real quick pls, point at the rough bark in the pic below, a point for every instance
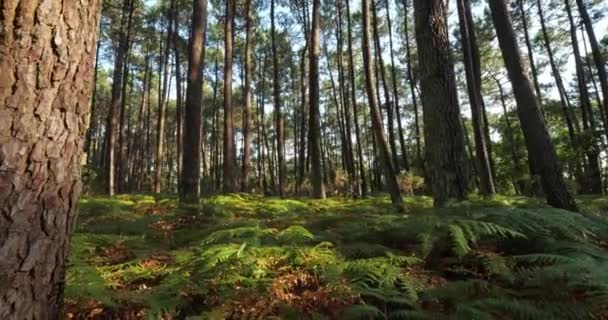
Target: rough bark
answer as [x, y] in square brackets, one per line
[190, 179]
[385, 155]
[538, 142]
[46, 56]
[443, 131]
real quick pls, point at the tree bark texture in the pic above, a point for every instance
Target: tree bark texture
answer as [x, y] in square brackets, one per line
[47, 52]
[443, 131]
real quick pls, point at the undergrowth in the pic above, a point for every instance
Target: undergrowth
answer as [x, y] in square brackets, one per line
[250, 257]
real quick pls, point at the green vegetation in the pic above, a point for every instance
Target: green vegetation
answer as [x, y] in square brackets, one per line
[244, 256]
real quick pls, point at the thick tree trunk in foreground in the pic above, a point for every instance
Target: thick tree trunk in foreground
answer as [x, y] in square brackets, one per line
[42, 128]
[189, 190]
[314, 132]
[471, 61]
[370, 84]
[443, 131]
[540, 148]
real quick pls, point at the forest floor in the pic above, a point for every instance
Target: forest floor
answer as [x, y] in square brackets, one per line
[252, 257]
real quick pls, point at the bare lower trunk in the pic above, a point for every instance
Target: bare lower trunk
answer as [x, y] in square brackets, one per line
[443, 131]
[42, 130]
[190, 179]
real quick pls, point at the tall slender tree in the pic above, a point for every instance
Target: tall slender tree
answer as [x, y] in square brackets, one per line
[470, 49]
[229, 182]
[247, 96]
[541, 151]
[190, 185]
[593, 177]
[117, 92]
[314, 132]
[278, 113]
[370, 85]
[412, 85]
[596, 52]
[353, 97]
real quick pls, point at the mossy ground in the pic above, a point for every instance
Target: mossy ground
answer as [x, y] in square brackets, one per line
[253, 257]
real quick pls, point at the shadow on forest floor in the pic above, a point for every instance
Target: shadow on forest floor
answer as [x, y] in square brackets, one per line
[244, 256]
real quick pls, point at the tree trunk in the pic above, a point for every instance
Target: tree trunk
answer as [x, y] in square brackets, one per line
[346, 102]
[42, 131]
[353, 96]
[598, 58]
[524, 20]
[247, 108]
[93, 118]
[314, 132]
[593, 177]
[469, 43]
[179, 99]
[370, 84]
[412, 84]
[443, 131]
[277, 102]
[113, 115]
[162, 106]
[563, 95]
[303, 119]
[400, 132]
[538, 142]
[387, 100]
[190, 190]
[229, 151]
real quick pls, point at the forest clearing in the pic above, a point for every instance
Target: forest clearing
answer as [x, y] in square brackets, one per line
[303, 159]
